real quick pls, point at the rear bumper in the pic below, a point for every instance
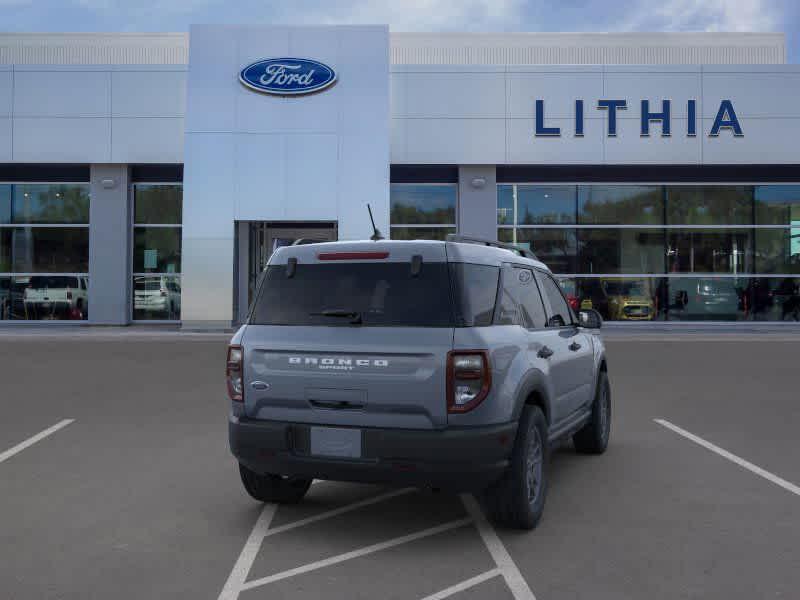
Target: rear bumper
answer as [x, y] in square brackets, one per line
[455, 459]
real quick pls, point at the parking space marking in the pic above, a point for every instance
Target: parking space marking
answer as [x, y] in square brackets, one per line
[788, 486]
[339, 511]
[248, 554]
[464, 585]
[261, 530]
[356, 553]
[33, 439]
[508, 568]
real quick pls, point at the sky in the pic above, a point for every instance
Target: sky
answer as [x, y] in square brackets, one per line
[414, 15]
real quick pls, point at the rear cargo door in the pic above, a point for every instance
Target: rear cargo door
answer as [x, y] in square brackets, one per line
[351, 334]
[367, 377]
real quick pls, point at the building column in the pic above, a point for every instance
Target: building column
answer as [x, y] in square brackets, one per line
[242, 270]
[109, 245]
[477, 201]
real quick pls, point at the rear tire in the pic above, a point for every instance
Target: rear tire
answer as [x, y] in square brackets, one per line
[517, 500]
[273, 488]
[593, 437]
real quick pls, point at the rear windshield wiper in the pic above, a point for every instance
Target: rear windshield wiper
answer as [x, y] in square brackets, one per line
[354, 316]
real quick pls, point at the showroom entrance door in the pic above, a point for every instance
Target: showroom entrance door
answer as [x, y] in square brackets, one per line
[258, 240]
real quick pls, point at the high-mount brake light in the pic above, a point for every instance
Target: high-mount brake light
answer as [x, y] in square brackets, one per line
[233, 373]
[352, 255]
[469, 379]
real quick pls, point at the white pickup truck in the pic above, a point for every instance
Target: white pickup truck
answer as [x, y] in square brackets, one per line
[56, 296]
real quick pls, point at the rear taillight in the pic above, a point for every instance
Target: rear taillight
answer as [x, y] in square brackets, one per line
[469, 379]
[233, 373]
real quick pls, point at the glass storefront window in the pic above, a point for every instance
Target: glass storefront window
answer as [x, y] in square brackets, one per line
[778, 250]
[687, 298]
[536, 204]
[620, 251]
[726, 252]
[157, 250]
[557, 248]
[709, 205]
[5, 203]
[708, 299]
[157, 213]
[505, 205]
[429, 204]
[620, 204]
[775, 299]
[44, 297]
[620, 298]
[156, 297]
[158, 204]
[44, 204]
[710, 251]
[778, 205]
[421, 233]
[44, 251]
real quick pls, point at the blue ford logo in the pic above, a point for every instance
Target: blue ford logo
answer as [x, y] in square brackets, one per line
[287, 76]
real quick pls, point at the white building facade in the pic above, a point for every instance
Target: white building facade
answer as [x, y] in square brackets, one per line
[143, 179]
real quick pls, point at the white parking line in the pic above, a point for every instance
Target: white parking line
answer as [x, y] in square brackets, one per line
[790, 487]
[261, 530]
[248, 554]
[356, 553]
[339, 511]
[464, 585]
[508, 568]
[33, 439]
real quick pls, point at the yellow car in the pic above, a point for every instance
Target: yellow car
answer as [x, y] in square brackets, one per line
[629, 299]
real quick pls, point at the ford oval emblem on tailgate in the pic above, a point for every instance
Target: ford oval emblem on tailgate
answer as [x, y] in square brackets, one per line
[287, 76]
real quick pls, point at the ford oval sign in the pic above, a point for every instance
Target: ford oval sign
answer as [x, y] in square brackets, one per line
[287, 76]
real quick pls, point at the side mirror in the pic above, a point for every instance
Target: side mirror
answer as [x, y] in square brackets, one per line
[590, 319]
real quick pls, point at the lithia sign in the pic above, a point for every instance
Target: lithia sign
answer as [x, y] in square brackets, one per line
[725, 120]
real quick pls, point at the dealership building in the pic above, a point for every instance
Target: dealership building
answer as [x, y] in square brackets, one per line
[148, 177]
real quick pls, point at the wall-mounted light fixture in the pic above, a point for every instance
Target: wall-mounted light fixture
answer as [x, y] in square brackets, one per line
[478, 182]
[109, 183]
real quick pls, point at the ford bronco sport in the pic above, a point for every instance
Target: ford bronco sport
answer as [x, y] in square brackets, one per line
[451, 364]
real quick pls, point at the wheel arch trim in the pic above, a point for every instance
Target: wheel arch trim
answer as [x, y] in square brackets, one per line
[534, 384]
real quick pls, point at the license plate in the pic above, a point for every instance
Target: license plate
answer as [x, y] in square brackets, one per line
[336, 442]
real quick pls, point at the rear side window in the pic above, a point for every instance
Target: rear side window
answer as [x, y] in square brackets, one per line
[520, 301]
[475, 290]
[561, 313]
[381, 294]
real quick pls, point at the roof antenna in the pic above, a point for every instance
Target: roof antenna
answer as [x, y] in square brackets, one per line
[376, 234]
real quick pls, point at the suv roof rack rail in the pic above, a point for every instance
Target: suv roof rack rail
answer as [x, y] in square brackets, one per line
[464, 239]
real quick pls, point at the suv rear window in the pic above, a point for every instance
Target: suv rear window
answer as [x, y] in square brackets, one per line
[382, 294]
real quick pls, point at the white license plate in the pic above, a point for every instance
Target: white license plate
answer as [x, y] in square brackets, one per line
[336, 442]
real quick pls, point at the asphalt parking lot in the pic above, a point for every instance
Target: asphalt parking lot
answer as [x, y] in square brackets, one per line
[116, 482]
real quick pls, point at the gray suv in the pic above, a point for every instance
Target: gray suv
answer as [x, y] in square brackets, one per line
[451, 364]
